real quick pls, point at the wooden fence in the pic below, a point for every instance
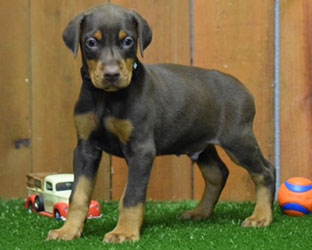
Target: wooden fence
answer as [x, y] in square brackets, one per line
[40, 82]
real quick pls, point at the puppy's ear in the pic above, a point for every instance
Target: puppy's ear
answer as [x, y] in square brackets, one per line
[71, 34]
[144, 32]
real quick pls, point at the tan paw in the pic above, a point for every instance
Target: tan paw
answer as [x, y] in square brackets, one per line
[120, 237]
[254, 221]
[195, 215]
[63, 234]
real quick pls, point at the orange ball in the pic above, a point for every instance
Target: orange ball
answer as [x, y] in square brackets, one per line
[295, 196]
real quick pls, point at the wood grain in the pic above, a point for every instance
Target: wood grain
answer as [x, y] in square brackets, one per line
[14, 98]
[237, 37]
[296, 93]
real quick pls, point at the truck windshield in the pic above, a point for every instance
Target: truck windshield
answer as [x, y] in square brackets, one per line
[64, 186]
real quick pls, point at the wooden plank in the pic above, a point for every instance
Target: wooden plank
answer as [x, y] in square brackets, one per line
[14, 98]
[119, 177]
[296, 93]
[237, 37]
[171, 179]
[55, 88]
[170, 22]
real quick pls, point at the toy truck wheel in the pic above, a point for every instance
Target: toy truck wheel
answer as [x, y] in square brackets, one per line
[30, 207]
[57, 215]
[39, 205]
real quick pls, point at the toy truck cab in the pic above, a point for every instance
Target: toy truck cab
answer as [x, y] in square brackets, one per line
[48, 194]
[56, 189]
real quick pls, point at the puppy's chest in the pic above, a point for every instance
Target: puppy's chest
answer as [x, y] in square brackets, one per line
[108, 118]
[121, 128]
[113, 119]
[116, 123]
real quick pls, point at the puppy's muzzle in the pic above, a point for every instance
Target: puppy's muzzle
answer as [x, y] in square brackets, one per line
[112, 74]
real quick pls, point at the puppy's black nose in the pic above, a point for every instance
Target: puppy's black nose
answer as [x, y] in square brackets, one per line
[112, 73]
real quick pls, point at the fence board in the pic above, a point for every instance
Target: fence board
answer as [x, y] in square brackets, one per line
[170, 22]
[296, 78]
[14, 97]
[56, 85]
[237, 37]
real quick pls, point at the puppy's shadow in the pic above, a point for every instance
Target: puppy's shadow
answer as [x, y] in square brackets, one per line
[233, 212]
[169, 214]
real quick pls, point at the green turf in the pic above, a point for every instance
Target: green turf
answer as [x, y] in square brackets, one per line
[163, 229]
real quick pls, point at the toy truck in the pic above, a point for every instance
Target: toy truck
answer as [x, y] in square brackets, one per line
[48, 195]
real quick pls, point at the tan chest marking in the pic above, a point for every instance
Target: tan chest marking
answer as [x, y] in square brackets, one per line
[121, 128]
[86, 124]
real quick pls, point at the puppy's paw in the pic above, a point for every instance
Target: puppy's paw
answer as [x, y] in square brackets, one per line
[257, 221]
[195, 215]
[63, 234]
[120, 237]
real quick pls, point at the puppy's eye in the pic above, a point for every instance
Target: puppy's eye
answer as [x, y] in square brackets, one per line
[91, 43]
[128, 42]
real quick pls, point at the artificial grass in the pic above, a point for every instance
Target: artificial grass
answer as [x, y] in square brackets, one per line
[163, 229]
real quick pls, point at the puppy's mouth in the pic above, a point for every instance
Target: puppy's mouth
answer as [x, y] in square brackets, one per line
[111, 77]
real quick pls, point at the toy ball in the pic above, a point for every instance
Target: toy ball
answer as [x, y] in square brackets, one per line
[295, 196]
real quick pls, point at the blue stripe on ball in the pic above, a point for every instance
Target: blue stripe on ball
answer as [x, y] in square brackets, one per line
[297, 188]
[295, 207]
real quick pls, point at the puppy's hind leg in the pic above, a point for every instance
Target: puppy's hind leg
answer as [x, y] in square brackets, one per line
[245, 151]
[215, 174]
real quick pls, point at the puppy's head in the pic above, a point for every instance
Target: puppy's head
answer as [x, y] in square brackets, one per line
[109, 37]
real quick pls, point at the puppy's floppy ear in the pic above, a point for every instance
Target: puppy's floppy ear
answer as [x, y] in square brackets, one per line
[71, 34]
[144, 32]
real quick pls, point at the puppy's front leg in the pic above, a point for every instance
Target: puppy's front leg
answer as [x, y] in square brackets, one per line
[86, 165]
[87, 157]
[131, 207]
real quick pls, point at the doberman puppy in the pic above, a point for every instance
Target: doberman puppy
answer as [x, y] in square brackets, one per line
[138, 111]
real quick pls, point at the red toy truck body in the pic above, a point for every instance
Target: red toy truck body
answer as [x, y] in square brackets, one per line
[48, 194]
